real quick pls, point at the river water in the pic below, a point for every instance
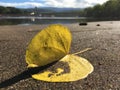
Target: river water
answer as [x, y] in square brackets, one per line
[40, 20]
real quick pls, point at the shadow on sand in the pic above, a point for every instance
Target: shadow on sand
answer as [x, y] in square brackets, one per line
[24, 75]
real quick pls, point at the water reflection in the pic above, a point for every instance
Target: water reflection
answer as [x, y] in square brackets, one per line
[32, 20]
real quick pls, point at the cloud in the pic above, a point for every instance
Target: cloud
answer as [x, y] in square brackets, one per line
[73, 3]
[96, 1]
[64, 3]
[24, 4]
[55, 3]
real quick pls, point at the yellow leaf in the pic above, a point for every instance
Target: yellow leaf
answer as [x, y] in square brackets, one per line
[51, 44]
[73, 68]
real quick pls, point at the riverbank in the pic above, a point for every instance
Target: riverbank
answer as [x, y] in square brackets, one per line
[104, 39]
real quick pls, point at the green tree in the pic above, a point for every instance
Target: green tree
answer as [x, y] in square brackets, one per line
[110, 9]
[88, 12]
[97, 11]
[13, 10]
[3, 10]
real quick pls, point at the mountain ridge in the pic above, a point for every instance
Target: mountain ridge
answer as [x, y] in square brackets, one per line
[53, 9]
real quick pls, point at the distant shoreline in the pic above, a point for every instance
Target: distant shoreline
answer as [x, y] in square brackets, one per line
[24, 20]
[37, 17]
[29, 20]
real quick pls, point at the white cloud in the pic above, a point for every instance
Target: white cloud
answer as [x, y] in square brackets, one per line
[24, 4]
[56, 3]
[60, 3]
[96, 1]
[73, 3]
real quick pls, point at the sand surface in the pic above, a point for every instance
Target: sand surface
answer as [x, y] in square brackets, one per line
[105, 57]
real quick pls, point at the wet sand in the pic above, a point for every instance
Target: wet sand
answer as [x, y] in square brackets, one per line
[104, 56]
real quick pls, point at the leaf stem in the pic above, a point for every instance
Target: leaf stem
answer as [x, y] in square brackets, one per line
[82, 51]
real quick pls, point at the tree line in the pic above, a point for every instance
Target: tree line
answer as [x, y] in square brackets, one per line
[11, 10]
[110, 9]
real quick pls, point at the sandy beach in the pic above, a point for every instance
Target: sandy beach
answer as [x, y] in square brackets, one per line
[104, 56]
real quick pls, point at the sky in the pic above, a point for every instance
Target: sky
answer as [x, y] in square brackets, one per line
[51, 3]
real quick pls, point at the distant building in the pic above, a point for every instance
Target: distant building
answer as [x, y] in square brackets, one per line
[32, 13]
